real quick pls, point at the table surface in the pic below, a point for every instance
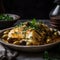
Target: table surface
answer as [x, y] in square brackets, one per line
[53, 53]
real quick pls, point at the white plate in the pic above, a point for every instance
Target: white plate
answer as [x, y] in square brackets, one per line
[29, 48]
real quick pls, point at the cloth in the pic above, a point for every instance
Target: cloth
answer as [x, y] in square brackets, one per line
[6, 53]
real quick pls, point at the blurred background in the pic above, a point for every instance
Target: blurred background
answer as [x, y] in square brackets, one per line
[27, 9]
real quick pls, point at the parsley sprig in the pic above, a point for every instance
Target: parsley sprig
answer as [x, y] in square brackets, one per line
[33, 24]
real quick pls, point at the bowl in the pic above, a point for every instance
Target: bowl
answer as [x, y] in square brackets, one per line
[9, 22]
[34, 48]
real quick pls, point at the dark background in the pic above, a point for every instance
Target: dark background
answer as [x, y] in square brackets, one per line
[28, 9]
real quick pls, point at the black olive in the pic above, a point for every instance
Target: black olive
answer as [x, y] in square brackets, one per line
[22, 42]
[11, 40]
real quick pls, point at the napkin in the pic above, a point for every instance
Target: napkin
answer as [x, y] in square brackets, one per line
[6, 53]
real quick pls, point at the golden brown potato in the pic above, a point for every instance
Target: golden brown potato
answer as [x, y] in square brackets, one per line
[32, 42]
[16, 42]
[6, 32]
[5, 36]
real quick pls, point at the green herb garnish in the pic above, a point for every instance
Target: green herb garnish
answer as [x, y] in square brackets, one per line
[33, 21]
[5, 17]
[46, 56]
[31, 24]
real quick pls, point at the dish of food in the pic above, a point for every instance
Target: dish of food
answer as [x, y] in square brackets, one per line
[8, 20]
[30, 34]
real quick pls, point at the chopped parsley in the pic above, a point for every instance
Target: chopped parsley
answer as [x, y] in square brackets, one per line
[32, 24]
[5, 17]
